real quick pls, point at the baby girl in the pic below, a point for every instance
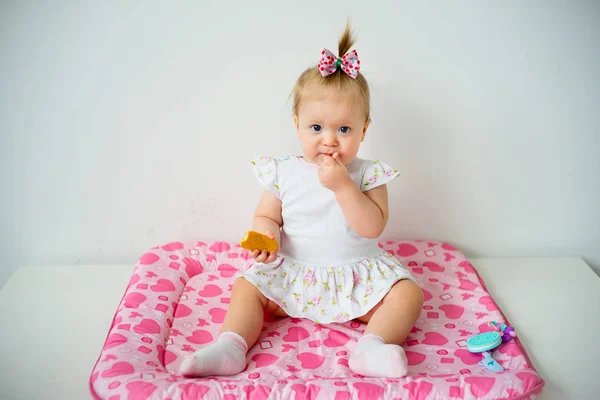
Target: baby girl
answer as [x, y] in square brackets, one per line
[326, 208]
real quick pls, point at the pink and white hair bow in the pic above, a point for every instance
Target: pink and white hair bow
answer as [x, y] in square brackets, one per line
[349, 63]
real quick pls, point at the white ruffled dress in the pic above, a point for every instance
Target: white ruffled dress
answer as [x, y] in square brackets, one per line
[325, 271]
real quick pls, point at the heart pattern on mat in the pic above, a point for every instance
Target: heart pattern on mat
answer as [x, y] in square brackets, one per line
[176, 302]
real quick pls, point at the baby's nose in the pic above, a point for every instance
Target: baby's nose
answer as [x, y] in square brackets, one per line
[329, 139]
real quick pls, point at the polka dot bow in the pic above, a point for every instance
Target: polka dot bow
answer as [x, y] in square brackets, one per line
[349, 63]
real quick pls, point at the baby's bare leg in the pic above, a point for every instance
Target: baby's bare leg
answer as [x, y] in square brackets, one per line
[240, 330]
[378, 352]
[395, 316]
[246, 311]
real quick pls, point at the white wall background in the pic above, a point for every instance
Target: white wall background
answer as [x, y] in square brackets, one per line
[128, 124]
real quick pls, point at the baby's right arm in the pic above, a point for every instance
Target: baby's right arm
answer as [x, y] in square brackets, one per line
[268, 220]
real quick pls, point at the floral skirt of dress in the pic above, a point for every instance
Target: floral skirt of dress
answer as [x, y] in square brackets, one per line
[327, 294]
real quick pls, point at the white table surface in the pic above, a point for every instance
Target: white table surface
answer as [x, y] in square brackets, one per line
[55, 320]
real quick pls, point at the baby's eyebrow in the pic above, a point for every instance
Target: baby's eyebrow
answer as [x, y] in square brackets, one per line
[339, 124]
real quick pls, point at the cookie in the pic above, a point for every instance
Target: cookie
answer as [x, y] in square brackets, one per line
[258, 241]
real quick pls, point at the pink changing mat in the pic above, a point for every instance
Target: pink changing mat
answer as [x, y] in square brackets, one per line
[179, 293]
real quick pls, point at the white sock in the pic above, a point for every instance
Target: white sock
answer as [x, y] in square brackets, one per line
[374, 357]
[226, 356]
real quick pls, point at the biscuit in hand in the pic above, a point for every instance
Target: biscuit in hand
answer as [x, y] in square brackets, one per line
[258, 241]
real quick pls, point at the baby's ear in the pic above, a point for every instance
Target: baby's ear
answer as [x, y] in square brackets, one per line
[364, 132]
[296, 123]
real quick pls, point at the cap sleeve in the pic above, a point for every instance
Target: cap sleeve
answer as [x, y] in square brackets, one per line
[377, 174]
[265, 169]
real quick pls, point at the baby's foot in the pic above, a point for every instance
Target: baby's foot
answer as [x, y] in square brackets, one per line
[374, 357]
[226, 356]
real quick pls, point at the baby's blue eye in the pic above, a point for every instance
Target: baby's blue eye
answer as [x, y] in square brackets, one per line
[344, 129]
[316, 128]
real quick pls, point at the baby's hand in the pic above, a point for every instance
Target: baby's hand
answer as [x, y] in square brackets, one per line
[333, 174]
[265, 256]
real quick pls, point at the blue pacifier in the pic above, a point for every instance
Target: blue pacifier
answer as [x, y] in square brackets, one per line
[484, 342]
[487, 341]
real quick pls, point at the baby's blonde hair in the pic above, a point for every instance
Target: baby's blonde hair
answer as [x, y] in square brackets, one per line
[339, 79]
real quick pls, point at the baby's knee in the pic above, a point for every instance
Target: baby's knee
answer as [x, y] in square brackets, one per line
[406, 291]
[243, 288]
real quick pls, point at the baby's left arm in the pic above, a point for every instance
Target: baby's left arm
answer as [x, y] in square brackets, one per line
[366, 212]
